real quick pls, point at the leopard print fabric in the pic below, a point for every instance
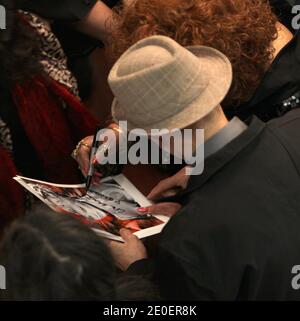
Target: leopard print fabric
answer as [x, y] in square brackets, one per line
[5, 137]
[53, 58]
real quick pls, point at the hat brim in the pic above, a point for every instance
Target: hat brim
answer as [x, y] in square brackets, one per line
[219, 74]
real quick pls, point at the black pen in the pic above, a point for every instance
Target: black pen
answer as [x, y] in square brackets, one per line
[91, 165]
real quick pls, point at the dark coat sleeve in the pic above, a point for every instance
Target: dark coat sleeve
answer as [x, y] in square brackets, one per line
[202, 261]
[144, 268]
[174, 277]
[170, 275]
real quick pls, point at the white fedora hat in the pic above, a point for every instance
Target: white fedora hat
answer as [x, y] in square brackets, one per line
[159, 84]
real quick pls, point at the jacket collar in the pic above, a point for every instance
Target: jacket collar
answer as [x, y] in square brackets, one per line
[215, 162]
[232, 130]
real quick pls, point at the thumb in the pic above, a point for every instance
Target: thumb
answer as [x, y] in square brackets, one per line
[127, 235]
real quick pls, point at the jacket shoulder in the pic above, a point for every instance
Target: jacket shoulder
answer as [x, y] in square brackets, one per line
[286, 129]
[291, 119]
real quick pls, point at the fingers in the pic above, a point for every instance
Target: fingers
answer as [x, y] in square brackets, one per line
[170, 186]
[127, 235]
[127, 253]
[109, 142]
[114, 245]
[96, 179]
[156, 191]
[82, 154]
[84, 147]
[163, 189]
[166, 209]
[83, 160]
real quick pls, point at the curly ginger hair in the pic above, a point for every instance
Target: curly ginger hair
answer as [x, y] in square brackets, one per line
[242, 29]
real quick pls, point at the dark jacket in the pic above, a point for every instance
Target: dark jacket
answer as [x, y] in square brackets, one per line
[238, 237]
[279, 90]
[283, 10]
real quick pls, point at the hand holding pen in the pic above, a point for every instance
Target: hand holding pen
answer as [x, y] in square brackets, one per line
[94, 164]
[91, 163]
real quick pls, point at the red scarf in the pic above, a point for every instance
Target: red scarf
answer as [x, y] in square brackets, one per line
[52, 130]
